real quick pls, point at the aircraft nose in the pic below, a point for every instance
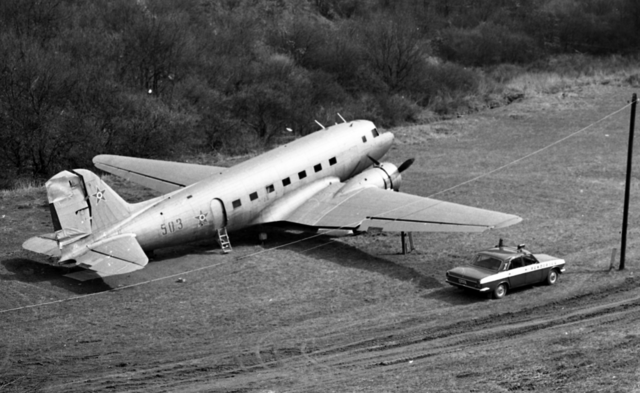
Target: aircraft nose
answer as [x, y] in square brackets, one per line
[387, 139]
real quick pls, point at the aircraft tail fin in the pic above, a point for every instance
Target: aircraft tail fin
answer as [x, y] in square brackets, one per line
[81, 203]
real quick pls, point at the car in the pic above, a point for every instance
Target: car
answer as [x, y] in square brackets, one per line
[497, 270]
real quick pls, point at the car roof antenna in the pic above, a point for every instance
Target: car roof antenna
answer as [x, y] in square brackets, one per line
[500, 245]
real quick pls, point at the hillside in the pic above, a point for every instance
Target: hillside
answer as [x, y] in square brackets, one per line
[176, 79]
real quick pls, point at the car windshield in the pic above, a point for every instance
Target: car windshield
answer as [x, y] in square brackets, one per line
[487, 262]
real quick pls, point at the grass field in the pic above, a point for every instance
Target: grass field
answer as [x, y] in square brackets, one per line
[352, 314]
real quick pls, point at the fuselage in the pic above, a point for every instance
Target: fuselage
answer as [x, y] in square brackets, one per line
[253, 191]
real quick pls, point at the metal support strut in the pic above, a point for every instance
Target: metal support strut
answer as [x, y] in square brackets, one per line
[404, 243]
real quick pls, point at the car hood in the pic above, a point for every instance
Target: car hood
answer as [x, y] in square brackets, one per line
[471, 272]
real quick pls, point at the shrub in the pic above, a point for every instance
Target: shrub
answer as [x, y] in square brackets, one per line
[486, 44]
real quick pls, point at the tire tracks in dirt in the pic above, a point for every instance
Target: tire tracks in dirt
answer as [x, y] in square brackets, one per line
[414, 342]
[288, 359]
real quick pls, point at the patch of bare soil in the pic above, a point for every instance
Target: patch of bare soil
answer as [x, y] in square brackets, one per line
[322, 314]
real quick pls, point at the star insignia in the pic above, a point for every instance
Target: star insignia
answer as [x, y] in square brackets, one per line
[100, 196]
[202, 218]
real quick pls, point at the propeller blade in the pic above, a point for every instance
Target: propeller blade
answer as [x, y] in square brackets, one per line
[375, 162]
[405, 165]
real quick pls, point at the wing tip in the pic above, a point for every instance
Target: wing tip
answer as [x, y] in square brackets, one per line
[512, 220]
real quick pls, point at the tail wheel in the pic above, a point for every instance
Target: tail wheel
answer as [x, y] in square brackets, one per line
[552, 277]
[500, 291]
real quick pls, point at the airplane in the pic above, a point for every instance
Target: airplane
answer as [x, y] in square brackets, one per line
[331, 179]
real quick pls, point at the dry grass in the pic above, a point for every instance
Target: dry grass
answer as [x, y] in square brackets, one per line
[21, 188]
[352, 314]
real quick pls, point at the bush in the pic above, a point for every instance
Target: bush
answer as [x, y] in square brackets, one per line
[487, 44]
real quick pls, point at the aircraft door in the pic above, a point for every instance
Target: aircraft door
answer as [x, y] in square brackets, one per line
[218, 214]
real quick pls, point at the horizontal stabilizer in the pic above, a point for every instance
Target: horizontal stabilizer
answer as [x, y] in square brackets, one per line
[162, 176]
[43, 244]
[116, 255]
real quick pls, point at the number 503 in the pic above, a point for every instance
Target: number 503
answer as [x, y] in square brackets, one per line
[171, 226]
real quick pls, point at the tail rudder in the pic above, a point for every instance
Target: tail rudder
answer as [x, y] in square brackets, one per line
[81, 203]
[107, 207]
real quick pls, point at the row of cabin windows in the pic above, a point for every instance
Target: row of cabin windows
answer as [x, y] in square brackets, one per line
[285, 182]
[301, 175]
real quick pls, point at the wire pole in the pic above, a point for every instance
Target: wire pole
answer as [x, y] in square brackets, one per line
[625, 214]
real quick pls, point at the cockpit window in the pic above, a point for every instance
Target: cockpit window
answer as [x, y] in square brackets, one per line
[375, 133]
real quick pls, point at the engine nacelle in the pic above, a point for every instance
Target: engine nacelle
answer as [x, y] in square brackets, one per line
[385, 176]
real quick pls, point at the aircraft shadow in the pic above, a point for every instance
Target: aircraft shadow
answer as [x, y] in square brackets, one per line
[350, 256]
[34, 273]
[326, 248]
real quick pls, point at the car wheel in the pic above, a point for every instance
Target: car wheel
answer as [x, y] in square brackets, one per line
[552, 277]
[500, 291]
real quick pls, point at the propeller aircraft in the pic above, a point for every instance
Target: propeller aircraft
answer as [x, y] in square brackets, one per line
[329, 180]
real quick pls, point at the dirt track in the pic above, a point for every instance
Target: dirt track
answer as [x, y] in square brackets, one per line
[111, 342]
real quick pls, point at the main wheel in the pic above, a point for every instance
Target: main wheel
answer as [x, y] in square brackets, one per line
[500, 291]
[552, 277]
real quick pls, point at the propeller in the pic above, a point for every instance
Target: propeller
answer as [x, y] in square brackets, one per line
[403, 167]
[375, 162]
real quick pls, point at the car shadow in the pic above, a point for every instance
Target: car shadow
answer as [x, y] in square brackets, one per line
[458, 296]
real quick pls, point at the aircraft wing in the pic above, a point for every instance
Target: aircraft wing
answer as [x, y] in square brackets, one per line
[375, 209]
[162, 176]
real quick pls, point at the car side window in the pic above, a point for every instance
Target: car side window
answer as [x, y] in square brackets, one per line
[516, 263]
[528, 261]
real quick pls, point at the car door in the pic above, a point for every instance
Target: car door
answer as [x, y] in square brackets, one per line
[533, 272]
[517, 276]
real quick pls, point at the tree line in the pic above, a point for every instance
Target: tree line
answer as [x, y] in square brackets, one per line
[165, 78]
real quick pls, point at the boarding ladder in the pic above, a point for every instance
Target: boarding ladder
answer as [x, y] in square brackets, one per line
[223, 239]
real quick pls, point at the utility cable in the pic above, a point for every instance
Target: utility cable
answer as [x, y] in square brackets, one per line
[319, 234]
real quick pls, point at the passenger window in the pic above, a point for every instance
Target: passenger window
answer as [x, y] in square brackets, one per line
[302, 175]
[516, 263]
[528, 261]
[333, 161]
[236, 204]
[317, 168]
[286, 182]
[364, 139]
[270, 188]
[375, 133]
[253, 196]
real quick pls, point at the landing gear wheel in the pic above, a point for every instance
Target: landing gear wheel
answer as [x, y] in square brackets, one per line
[552, 277]
[499, 292]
